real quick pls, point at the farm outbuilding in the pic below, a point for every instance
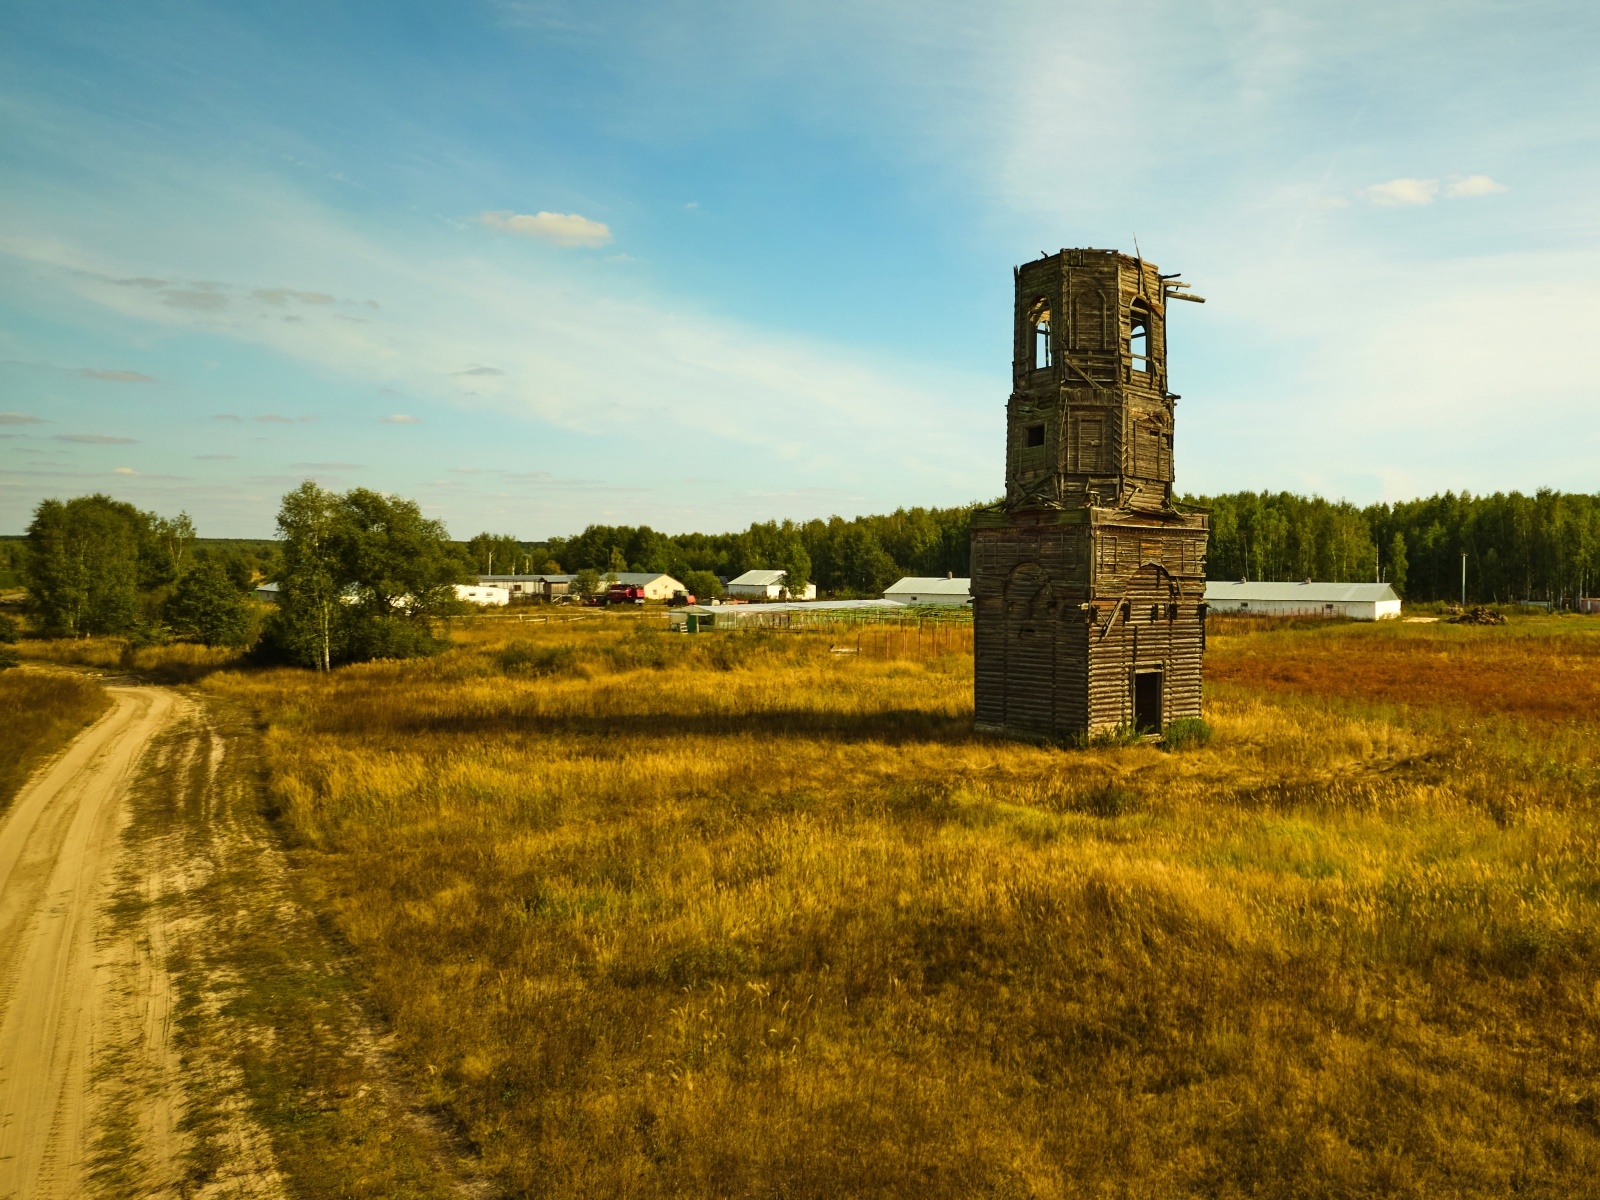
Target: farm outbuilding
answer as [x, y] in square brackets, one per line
[1359, 601]
[656, 585]
[533, 587]
[915, 589]
[483, 595]
[767, 585]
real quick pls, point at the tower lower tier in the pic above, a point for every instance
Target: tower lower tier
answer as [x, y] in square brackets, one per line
[1087, 620]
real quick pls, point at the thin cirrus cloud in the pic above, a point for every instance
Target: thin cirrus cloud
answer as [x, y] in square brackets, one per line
[278, 297]
[115, 376]
[11, 418]
[401, 419]
[481, 371]
[94, 439]
[564, 229]
[1401, 193]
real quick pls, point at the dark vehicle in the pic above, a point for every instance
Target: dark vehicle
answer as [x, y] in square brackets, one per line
[679, 599]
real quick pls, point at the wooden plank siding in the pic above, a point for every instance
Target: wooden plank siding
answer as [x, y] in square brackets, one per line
[1086, 574]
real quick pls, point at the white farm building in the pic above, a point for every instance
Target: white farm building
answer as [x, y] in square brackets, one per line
[656, 585]
[1360, 601]
[767, 585]
[915, 589]
[483, 595]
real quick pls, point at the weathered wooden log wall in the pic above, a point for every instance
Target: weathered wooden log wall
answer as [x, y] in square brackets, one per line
[1086, 576]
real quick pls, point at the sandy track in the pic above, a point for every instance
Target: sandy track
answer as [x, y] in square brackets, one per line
[59, 846]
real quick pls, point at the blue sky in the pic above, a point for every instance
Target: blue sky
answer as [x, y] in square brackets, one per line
[696, 264]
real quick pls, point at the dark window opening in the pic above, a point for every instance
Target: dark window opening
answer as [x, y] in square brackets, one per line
[1147, 701]
[1035, 435]
[1139, 341]
[1172, 612]
[1155, 613]
[1041, 339]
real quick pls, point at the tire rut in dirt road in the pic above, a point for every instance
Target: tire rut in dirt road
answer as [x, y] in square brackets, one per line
[58, 845]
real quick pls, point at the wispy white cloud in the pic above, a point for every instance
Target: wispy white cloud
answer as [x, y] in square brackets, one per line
[115, 376]
[94, 439]
[401, 419]
[564, 229]
[1399, 193]
[279, 296]
[716, 384]
[124, 471]
[16, 418]
[1475, 185]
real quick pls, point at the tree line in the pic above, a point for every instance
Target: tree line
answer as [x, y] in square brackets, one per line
[856, 557]
[1517, 547]
[364, 575]
[358, 576]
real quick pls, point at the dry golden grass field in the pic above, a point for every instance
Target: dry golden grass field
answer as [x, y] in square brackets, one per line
[40, 712]
[735, 915]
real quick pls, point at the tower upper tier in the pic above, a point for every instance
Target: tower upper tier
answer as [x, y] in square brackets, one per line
[1090, 420]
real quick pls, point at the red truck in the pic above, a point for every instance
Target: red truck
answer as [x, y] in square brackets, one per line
[624, 593]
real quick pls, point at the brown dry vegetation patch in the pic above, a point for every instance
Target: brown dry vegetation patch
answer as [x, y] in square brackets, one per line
[733, 915]
[1545, 670]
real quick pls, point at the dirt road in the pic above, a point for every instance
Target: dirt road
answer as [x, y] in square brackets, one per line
[173, 1021]
[59, 845]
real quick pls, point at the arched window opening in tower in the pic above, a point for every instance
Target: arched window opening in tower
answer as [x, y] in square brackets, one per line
[1139, 340]
[1041, 339]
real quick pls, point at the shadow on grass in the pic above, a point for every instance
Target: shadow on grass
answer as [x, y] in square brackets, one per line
[889, 725]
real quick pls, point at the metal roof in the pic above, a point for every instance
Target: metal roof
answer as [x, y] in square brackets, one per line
[1301, 593]
[758, 579]
[498, 579]
[936, 585]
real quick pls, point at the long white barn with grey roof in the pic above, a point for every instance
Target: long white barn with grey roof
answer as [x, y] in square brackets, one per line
[767, 585]
[914, 589]
[1360, 601]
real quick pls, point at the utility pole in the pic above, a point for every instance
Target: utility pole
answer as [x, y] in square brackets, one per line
[1463, 579]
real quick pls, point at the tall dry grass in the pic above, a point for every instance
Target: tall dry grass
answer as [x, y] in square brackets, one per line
[40, 712]
[737, 915]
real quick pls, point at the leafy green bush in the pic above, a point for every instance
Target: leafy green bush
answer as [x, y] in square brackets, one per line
[392, 637]
[529, 658]
[1111, 800]
[1187, 733]
[642, 646]
[10, 629]
[1121, 735]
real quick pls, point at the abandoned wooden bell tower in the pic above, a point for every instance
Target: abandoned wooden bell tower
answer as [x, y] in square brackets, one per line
[1088, 584]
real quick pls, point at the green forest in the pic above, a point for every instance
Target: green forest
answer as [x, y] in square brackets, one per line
[1541, 547]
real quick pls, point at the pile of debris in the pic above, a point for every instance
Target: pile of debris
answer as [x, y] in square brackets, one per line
[1479, 615]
